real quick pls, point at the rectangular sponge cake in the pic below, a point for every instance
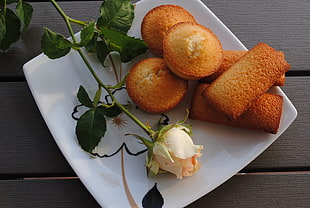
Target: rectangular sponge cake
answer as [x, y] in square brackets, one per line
[233, 92]
[263, 115]
[230, 57]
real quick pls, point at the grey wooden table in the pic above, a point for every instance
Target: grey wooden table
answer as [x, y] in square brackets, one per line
[34, 173]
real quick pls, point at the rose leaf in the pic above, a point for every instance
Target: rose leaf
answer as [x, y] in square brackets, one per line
[87, 34]
[90, 128]
[116, 15]
[10, 28]
[55, 45]
[24, 11]
[84, 98]
[128, 47]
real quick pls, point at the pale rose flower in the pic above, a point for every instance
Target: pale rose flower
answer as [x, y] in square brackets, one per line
[175, 152]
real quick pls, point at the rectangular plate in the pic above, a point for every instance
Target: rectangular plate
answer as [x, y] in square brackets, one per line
[54, 84]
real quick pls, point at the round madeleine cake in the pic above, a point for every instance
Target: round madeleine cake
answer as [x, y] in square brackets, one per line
[192, 51]
[153, 88]
[158, 20]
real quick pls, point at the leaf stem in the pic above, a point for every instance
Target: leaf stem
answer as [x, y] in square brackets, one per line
[78, 22]
[4, 8]
[90, 68]
[66, 19]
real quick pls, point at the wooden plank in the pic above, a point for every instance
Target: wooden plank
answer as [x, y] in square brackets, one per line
[273, 22]
[240, 191]
[45, 15]
[26, 145]
[23, 130]
[45, 193]
[282, 24]
[260, 191]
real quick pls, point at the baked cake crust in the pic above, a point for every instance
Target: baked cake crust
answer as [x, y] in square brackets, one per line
[192, 51]
[153, 88]
[157, 22]
[230, 57]
[250, 77]
[263, 115]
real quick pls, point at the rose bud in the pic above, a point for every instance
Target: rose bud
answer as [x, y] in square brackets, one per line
[175, 152]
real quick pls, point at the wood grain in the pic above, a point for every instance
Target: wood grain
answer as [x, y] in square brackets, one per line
[282, 24]
[44, 15]
[251, 191]
[254, 191]
[50, 193]
[26, 146]
[274, 22]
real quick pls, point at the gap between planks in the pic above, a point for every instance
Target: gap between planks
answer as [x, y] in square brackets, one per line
[238, 174]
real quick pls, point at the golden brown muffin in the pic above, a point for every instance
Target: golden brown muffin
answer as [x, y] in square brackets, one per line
[153, 88]
[250, 77]
[230, 57]
[158, 20]
[192, 51]
[263, 115]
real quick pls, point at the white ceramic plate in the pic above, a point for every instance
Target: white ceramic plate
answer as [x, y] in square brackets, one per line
[54, 84]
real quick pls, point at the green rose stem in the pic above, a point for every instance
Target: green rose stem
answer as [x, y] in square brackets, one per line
[4, 8]
[107, 89]
[83, 24]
